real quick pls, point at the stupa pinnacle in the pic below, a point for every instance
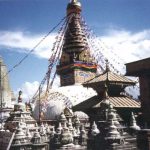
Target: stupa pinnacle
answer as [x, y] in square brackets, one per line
[76, 64]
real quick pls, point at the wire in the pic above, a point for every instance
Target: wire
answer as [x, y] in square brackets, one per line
[33, 49]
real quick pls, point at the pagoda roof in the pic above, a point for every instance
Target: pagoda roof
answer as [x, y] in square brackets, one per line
[111, 77]
[117, 102]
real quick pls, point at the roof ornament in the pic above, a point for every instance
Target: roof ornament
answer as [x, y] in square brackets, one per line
[105, 103]
[74, 1]
[107, 66]
[106, 96]
[94, 130]
[133, 124]
[113, 133]
[20, 97]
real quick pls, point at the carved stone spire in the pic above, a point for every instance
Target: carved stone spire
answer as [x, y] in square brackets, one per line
[75, 137]
[107, 66]
[105, 102]
[70, 125]
[62, 118]
[83, 136]
[42, 129]
[67, 137]
[59, 129]
[20, 97]
[76, 121]
[36, 139]
[28, 135]
[113, 134]
[133, 124]
[94, 130]
[20, 136]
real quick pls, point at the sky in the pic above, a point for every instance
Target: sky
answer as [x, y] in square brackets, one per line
[123, 26]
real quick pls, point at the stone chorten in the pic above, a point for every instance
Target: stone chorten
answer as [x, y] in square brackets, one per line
[20, 114]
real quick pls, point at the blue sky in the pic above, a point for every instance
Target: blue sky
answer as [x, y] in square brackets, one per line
[123, 25]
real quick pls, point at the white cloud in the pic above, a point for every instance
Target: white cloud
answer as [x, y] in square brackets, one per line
[127, 45]
[28, 89]
[121, 47]
[24, 42]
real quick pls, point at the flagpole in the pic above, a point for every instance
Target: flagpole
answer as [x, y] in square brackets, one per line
[39, 104]
[1, 84]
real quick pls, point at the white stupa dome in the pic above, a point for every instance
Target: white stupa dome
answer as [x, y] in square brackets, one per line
[50, 108]
[61, 97]
[81, 115]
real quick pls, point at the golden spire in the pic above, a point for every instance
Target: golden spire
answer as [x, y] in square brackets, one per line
[74, 7]
[74, 1]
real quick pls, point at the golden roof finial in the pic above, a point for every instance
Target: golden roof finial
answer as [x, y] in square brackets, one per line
[74, 6]
[74, 1]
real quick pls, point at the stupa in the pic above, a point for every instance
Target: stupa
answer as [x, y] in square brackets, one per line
[75, 67]
[21, 115]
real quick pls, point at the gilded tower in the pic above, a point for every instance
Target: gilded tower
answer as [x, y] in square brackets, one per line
[76, 64]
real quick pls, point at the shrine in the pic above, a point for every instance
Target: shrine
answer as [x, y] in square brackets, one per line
[90, 110]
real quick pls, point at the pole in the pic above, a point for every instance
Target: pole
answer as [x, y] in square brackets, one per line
[0, 85]
[39, 104]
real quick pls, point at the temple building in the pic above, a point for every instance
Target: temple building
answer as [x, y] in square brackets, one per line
[6, 95]
[80, 86]
[141, 69]
[20, 130]
[115, 86]
[89, 110]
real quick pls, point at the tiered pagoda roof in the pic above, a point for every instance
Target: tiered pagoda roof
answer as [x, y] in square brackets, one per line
[115, 87]
[115, 83]
[117, 102]
[75, 40]
[110, 77]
